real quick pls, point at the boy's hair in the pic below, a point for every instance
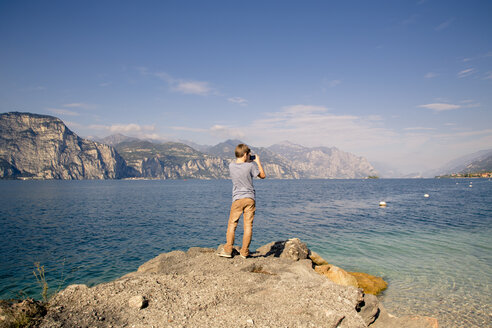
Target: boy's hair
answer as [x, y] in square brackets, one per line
[241, 149]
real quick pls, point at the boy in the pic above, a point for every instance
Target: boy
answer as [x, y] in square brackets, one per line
[242, 171]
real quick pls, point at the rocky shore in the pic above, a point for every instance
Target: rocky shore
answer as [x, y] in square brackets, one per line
[283, 284]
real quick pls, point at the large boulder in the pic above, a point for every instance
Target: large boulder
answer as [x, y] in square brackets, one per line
[292, 249]
[369, 308]
[317, 259]
[337, 275]
[369, 283]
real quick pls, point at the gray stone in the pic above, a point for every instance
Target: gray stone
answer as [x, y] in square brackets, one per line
[292, 249]
[369, 308]
[138, 302]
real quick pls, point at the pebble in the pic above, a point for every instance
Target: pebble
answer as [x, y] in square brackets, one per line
[137, 302]
[250, 321]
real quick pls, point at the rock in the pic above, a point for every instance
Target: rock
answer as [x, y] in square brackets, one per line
[323, 162]
[386, 320]
[199, 289]
[337, 275]
[369, 308]
[162, 263]
[333, 319]
[369, 283]
[41, 147]
[138, 302]
[292, 249]
[317, 259]
[199, 250]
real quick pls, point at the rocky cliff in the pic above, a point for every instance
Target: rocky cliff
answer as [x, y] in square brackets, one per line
[171, 160]
[42, 147]
[323, 162]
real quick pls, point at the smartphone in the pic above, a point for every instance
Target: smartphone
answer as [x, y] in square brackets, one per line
[252, 157]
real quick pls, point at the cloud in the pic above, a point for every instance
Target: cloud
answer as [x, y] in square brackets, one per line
[60, 111]
[439, 107]
[238, 100]
[333, 83]
[328, 84]
[123, 128]
[488, 76]
[184, 86]
[374, 118]
[469, 103]
[462, 134]
[189, 129]
[466, 72]
[312, 125]
[444, 25]
[418, 128]
[226, 132]
[217, 130]
[192, 88]
[306, 109]
[430, 75]
[79, 105]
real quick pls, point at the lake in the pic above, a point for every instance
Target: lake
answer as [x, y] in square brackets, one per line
[435, 252]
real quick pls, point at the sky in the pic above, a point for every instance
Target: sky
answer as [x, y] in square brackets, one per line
[404, 83]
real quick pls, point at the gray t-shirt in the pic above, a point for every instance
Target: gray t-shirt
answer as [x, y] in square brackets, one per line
[242, 175]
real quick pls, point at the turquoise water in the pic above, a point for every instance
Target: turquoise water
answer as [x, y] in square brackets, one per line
[435, 252]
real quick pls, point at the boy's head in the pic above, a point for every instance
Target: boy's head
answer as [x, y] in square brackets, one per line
[241, 149]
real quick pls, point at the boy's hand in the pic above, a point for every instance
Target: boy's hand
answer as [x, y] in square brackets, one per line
[262, 174]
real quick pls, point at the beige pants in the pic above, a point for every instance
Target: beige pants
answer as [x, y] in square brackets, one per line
[247, 207]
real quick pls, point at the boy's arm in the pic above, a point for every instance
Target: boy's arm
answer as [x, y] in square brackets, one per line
[262, 174]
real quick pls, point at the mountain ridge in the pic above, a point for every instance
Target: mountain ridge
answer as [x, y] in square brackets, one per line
[64, 155]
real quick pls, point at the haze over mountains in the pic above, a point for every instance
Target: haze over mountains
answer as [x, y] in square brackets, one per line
[41, 147]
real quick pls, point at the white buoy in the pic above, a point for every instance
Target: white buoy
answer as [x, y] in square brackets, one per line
[382, 204]
[426, 195]
[470, 186]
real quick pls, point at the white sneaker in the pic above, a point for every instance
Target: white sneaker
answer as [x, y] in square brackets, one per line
[224, 254]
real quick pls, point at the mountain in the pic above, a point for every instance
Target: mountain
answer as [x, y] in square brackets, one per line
[171, 160]
[224, 149]
[481, 165]
[113, 139]
[275, 166]
[323, 162]
[386, 171]
[461, 164]
[42, 147]
[202, 148]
